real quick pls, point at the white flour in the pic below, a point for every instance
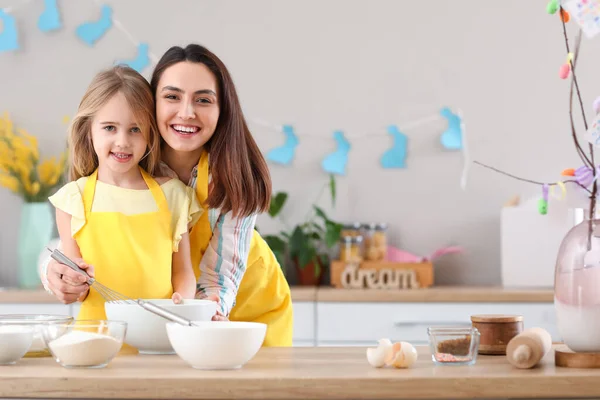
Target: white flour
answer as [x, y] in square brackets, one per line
[84, 349]
[579, 326]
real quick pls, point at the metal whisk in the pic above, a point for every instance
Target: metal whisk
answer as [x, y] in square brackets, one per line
[113, 296]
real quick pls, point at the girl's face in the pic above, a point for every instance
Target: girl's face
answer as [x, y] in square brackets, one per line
[118, 141]
[187, 107]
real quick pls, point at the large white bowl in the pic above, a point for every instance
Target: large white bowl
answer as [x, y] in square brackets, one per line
[146, 331]
[217, 344]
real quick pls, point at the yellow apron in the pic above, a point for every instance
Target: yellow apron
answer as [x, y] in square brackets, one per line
[264, 294]
[131, 254]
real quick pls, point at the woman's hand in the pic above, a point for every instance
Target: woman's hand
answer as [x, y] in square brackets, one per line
[67, 285]
[178, 299]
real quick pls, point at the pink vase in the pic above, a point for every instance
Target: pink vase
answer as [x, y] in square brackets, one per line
[577, 288]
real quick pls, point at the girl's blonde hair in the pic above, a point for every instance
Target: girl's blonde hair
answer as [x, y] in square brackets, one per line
[103, 87]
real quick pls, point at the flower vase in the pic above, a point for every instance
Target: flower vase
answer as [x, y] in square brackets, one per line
[577, 287]
[35, 231]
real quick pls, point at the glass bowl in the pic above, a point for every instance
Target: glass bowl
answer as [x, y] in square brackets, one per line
[15, 340]
[85, 343]
[38, 347]
[453, 346]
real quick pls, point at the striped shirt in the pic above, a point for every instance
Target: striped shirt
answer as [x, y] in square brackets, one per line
[225, 259]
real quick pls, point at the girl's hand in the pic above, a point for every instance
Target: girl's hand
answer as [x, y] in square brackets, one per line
[218, 316]
[177, 298]
[67, 285]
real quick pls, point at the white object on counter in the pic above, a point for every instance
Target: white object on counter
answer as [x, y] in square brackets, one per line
[530, 241]
[15, 340]
[146, 331]
[84, 349]
[217, 344]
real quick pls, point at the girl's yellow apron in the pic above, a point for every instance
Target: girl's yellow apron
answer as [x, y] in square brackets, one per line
[131, 254]
[264, 294]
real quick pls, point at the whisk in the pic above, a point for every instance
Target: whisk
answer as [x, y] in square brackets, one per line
[113, 296]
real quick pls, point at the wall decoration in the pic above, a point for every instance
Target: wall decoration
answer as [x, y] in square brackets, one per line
[335, 163]
[285, 154]
[451, 139]
[49, 20]
[8, 36]
[142, 60]
[91, 32]
[395, 157]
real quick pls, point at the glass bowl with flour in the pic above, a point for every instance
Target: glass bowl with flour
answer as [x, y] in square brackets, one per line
[15, 340]
[85, 343]
[36, 321]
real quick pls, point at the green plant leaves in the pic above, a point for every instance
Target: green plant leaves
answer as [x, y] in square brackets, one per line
[277, 203]
[332, 188]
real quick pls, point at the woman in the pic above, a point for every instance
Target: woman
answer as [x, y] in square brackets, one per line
[207, 144]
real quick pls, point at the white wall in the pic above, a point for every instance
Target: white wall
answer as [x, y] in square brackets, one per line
[351, 65]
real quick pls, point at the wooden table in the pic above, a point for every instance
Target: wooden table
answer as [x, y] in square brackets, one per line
[446, 294]
[296, 373]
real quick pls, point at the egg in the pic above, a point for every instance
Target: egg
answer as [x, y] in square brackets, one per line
[404, 355]
[379, 356]
[398, 355]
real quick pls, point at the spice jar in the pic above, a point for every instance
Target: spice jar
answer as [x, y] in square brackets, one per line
[375, 241]
[496, 331]
[351, 229]
[351, 249]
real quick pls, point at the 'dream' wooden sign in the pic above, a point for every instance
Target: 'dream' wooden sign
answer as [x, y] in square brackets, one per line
[381, 275]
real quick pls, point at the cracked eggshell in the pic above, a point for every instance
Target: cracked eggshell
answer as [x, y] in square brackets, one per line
[382, 354]
[404, 355]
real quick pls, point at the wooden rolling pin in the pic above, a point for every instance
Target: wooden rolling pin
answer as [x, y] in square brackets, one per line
[527, 348]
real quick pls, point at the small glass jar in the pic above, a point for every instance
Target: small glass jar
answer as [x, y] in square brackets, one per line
[351, 249]
[351, 229]
[375, 235]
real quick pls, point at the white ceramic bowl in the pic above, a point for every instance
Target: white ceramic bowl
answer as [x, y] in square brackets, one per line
[217, 344]
[146, 331]
[15, 340]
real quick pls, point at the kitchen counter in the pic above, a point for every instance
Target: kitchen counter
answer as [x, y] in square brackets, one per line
[296, 373]
[449, 294]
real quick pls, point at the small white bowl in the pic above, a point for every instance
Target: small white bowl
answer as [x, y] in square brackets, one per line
[146, 331]
[217, 344]
[15, 340]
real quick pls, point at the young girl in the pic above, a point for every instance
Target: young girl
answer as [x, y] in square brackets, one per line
[132, 228]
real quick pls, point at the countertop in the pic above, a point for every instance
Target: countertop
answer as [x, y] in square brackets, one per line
[450, 294]
[297, 373]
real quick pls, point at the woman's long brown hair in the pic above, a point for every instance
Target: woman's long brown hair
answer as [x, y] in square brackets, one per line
[241, 182]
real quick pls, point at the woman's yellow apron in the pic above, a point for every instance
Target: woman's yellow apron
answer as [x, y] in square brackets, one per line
[264, 294]
[131, 254]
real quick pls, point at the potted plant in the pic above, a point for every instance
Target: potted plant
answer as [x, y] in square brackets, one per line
[307, 245]
[24, 173]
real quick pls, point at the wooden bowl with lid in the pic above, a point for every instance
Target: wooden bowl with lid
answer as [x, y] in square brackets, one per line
[496, 331]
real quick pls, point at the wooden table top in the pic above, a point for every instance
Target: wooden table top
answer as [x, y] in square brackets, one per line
[297, 373]
[443, 294]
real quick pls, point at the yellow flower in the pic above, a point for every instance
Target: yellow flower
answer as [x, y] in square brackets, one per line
[10, 182]
[35, 188]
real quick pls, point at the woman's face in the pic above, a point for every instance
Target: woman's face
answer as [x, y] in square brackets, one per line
[187, 107]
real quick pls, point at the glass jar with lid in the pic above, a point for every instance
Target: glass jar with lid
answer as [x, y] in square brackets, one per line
[375, 241]
[351, 229]
[351, 249]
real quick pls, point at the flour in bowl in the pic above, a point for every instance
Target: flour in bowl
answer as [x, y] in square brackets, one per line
[84, 349]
